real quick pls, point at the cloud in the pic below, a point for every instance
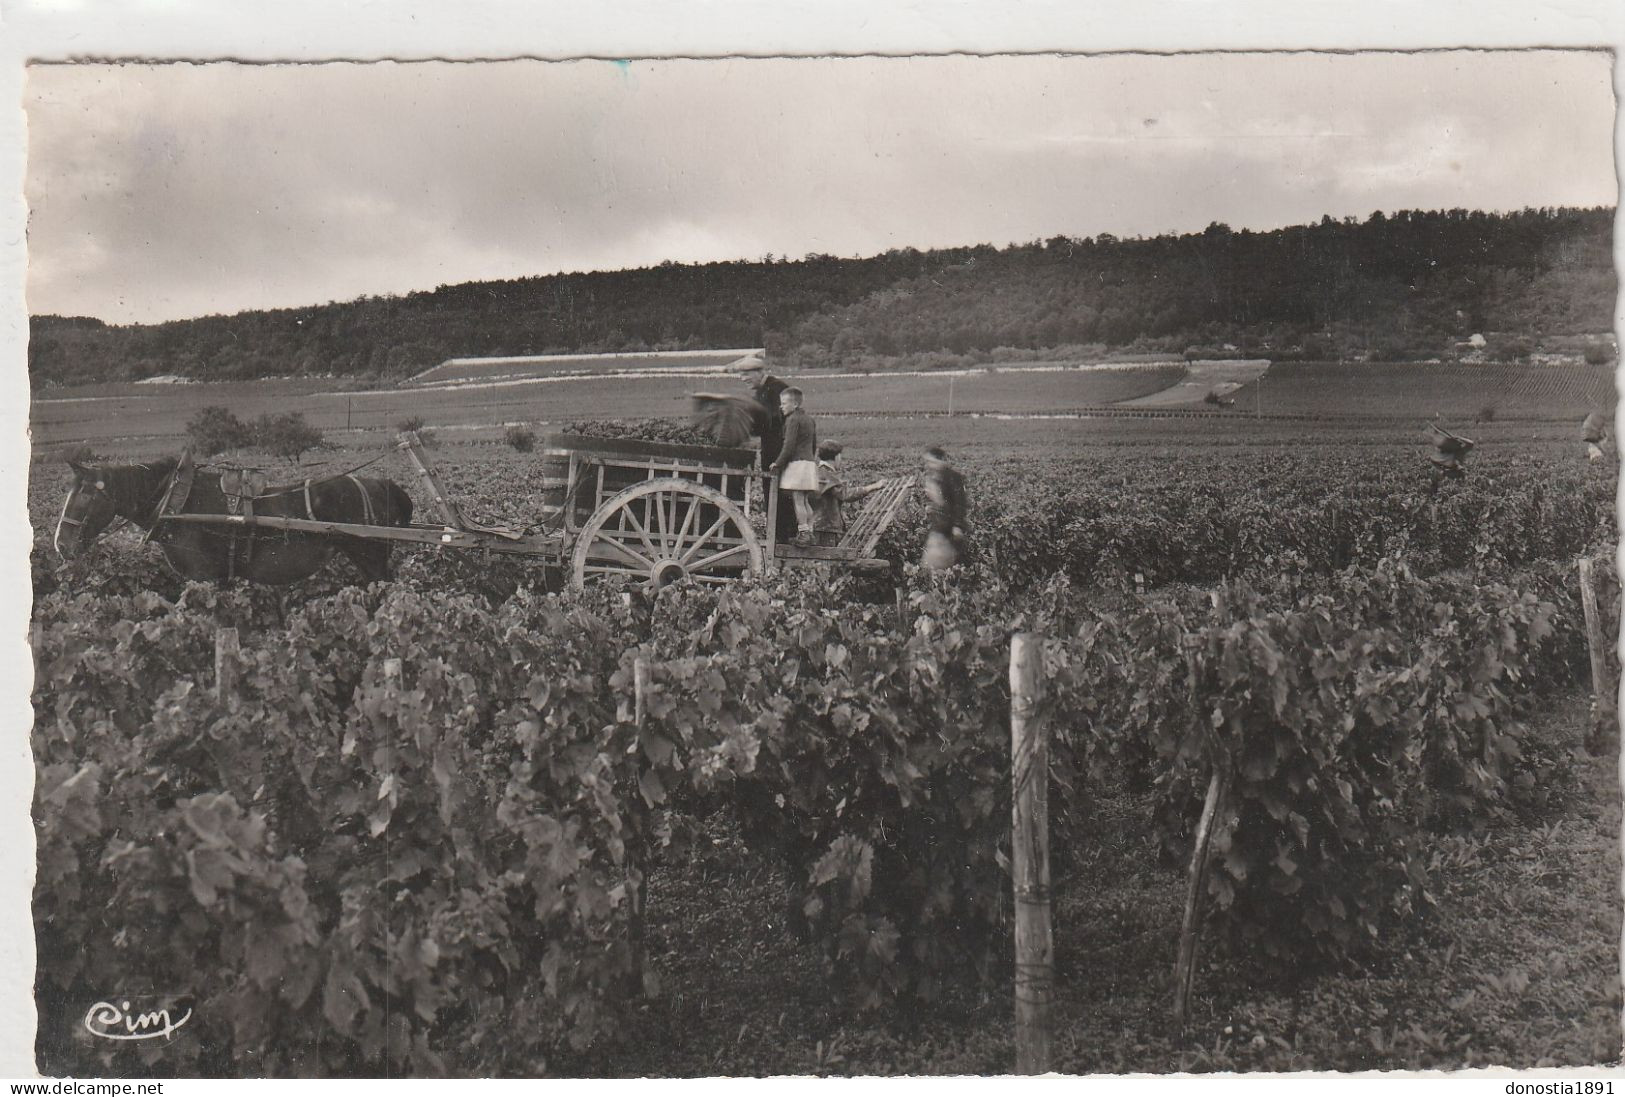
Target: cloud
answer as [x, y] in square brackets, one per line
[164, 191]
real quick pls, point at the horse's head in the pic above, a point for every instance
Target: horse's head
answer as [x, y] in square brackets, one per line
[86, 512]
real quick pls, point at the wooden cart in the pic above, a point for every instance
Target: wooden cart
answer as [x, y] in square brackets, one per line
[655, 512]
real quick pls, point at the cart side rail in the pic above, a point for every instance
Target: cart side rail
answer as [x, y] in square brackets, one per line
[876, 515]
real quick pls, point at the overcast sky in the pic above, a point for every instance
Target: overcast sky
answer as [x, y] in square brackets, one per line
[167, 191]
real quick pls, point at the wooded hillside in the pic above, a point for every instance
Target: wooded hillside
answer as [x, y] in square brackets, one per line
[1398, 286]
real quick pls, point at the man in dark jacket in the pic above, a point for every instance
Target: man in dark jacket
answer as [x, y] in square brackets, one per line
[945, 487]
[764, 389]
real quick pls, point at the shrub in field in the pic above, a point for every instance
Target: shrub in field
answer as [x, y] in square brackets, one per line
[80, 453]
[520, 439]
[287, 435]
[1599, 354]
[415, 424]
[215, 430]
[1512, 348]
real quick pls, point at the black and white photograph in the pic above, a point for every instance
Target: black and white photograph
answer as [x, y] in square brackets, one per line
[839, 566]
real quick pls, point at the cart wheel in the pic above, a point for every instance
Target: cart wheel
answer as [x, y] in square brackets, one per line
[661, 531]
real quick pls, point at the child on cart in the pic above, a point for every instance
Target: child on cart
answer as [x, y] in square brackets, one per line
[795, 465]
[829, 524]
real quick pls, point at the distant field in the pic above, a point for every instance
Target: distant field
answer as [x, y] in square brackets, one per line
[1203, 378]
[1016, 390]
[119, 420]
[154, 419]
[1420, 390]
[547, 365]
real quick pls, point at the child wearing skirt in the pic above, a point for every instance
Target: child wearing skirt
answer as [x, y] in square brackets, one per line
[796, 465]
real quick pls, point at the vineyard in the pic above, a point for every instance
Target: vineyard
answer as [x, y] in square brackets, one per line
[440, 826]
[1452, 390]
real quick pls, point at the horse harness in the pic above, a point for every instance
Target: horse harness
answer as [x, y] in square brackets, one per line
[100, 485]
[241, 489]
[176, 492]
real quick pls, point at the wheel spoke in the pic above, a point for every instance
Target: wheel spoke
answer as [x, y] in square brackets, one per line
[704, 538]
[660, 518]
[626, 550]
[688, 524]
[718, 557]
[641, 531]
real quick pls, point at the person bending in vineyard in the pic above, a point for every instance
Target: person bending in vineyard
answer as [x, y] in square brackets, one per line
[945, 488]
[795, 465]
[1449, 456]
[828, 521]
[1595, 430]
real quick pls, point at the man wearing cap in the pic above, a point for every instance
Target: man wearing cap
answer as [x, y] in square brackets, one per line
[764, 389]
[828, 521]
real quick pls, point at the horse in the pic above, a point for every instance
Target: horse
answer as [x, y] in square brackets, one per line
[221, 553]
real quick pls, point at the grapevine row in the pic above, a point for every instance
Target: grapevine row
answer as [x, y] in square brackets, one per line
[417, 813]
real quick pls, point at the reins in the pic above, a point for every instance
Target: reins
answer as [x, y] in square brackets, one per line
[313, 481]
[292, 489]
[117, 489]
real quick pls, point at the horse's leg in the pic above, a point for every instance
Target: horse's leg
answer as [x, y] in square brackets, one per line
[194, 555]
[370, 557]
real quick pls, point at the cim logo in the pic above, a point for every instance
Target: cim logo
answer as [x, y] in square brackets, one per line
[119, 1022]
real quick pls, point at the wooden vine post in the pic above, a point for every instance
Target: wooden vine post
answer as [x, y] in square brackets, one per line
[1603, 707]
[226, 649]
[1185, 967]
[640, 688]
[635, 881]
[1029, 858]
[1196, 887]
